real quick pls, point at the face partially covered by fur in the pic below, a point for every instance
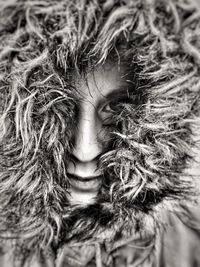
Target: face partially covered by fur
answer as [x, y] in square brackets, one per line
[44, 47]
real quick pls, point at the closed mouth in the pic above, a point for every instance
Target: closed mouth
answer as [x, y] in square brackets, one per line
[85, 184]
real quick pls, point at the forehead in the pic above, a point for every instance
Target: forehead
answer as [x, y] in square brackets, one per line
[99, 83]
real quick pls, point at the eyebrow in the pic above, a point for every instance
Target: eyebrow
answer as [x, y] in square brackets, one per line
[117, 93]
[120, 92]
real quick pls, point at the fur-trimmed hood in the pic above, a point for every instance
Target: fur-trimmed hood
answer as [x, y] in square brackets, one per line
[148, 168]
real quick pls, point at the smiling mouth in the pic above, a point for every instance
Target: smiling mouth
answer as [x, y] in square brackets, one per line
[85, 184]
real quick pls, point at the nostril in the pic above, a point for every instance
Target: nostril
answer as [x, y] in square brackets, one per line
[85, 157]
[85, 149]
[73, 159]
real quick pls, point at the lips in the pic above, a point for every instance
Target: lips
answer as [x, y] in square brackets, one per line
[85, 184]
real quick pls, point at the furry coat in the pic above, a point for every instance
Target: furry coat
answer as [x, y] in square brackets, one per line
[149, 168]
[176, 245]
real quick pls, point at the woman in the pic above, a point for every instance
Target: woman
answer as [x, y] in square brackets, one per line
[99, 121]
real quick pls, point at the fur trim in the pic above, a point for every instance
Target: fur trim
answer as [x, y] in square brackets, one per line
[44, 44]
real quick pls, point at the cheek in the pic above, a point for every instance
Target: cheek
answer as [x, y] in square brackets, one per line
[106, 137]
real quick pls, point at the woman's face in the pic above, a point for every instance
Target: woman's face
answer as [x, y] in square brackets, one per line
[94, 118]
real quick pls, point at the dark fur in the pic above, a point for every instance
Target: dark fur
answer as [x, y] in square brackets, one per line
[44, 45]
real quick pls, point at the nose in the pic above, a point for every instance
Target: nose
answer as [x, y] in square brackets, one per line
[87, 146]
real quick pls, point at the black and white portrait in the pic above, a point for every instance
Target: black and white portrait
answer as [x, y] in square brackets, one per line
[99, 133]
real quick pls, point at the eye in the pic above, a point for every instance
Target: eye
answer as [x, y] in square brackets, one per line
[115, 104]
[106, 113]
[111, 108]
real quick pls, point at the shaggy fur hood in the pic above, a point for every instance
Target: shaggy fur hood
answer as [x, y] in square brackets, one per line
[148, 168]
